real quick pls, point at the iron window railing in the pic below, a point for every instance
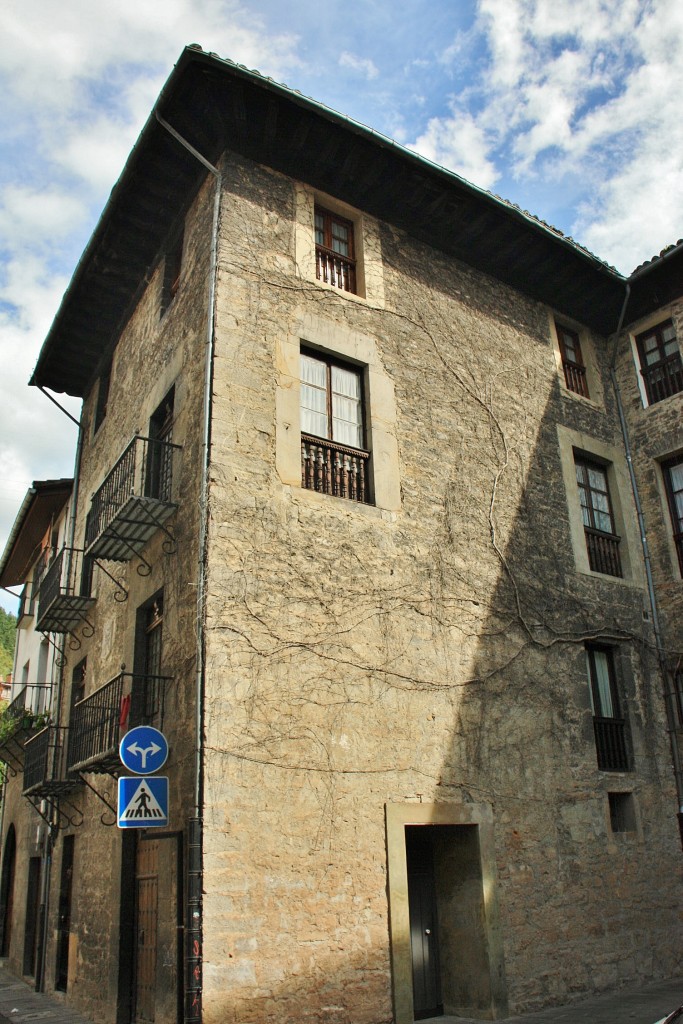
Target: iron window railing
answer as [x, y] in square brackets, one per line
[64, 592]
[145, 470]
[100, 720]
[43, 756]
[611, 744]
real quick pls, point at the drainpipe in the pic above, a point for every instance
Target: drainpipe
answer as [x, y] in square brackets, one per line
[193, 947]
[661, 654]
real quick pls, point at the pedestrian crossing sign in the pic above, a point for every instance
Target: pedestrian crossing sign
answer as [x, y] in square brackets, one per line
[143, 803]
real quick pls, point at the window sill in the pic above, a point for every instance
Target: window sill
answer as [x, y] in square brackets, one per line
[574, 397]
[319, 500]
[623, 580]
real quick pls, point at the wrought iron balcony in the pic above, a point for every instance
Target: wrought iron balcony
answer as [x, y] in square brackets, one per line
[99, 721]
[133, 502]
[18, 722]
[44, 769]
[611, 745]
[64, 593]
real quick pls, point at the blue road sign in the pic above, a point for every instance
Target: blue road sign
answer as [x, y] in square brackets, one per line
[143, 803]
[143, 750]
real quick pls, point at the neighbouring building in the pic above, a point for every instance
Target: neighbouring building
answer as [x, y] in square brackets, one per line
[377, 514]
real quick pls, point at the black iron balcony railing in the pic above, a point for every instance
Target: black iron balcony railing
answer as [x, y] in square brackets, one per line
[44, 768]
[64, 594]
[611, 745]
[20, 719]
[99, 721]
[603, 552]
[334, 469]
[133, 502]
[664, 378]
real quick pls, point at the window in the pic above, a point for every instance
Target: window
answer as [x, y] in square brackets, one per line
[148, 651]
[335, 261]
[102, 396]
[572, 361]
[173, 262]
[622, 814]
[660, 361]
[159, 467]
[602, 541]
[608, 725]
[673, 480]
[78, 682]
[332, 457]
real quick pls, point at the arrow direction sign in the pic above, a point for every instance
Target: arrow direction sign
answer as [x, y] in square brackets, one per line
[143, 803]
[143, 750]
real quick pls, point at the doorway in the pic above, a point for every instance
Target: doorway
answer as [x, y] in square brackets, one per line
[7, 890]
[64, 915]
[446, 946]
[32, 913]
[424, 931]
[150, 971]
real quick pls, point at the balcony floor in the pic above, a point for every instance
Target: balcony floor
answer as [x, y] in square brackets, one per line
[131, 528]
[64, 614]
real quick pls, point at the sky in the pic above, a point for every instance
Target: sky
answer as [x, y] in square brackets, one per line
[569, 108]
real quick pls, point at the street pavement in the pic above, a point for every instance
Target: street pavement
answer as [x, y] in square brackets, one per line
[19, 1004]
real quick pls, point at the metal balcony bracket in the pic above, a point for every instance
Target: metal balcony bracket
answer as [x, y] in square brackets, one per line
[57, 817]
[144, 568]
[120, 594]
[60, 660]
[87, 629]
[74, 643]
[104, 800]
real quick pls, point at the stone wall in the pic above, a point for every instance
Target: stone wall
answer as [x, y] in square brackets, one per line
[431, 652]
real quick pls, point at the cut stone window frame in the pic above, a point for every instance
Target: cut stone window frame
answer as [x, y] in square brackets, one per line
[575, 359]
[334, 459]
[661, 365]
[602, 540]
[364, 238]
[314, 334]
[572, 445]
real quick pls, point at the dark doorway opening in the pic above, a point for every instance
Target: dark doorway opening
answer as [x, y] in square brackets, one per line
[64, 919]
[32, 914]
[448, 935]
[7, 890]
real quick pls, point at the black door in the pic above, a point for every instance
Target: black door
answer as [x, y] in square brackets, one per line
[424, 944]
[32, 916]
[64, 924]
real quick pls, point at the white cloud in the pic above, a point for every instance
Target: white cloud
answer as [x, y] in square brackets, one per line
[459, 143]
[363, 65]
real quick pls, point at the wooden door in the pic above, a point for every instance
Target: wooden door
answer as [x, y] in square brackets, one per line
[146, 922]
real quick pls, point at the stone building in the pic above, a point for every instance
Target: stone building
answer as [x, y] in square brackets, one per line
[378, 513]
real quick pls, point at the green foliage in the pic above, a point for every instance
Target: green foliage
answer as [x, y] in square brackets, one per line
[8, 626]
